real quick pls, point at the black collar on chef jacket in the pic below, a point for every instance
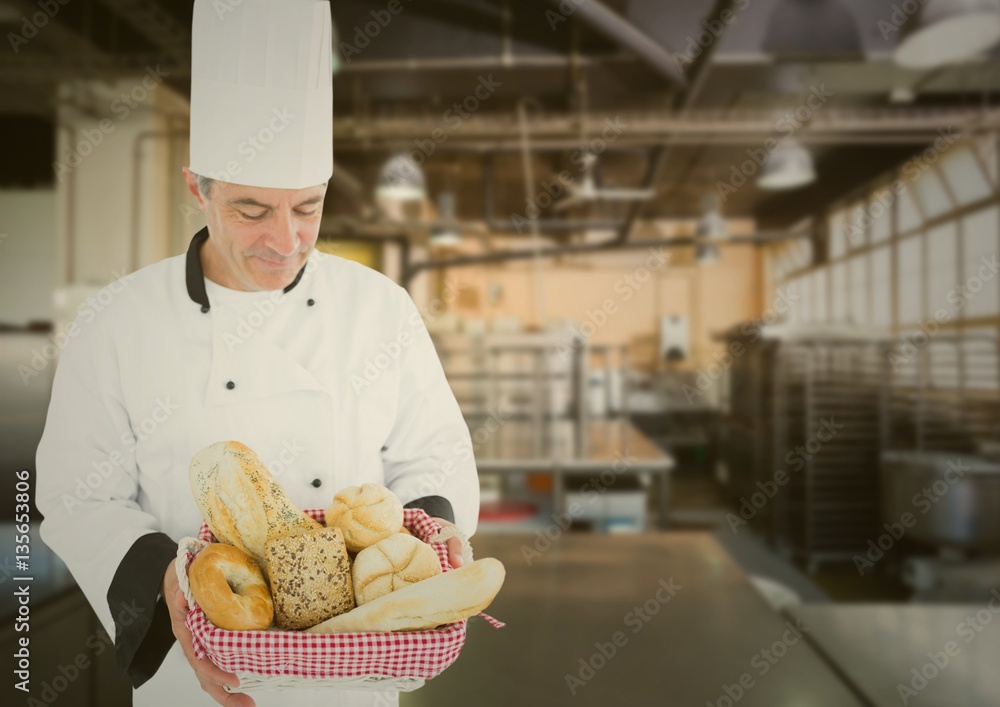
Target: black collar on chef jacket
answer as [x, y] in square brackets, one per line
[196, 276]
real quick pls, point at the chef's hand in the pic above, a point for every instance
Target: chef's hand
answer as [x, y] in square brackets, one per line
[455, 556]
[211, 677]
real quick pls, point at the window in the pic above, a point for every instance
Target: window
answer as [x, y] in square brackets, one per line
[908, 279]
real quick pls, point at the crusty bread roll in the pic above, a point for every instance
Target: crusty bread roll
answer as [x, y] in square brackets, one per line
[442, 599]
[392, 564]
[241, 502]
[229, 587]
[310, 577]
[366, 513]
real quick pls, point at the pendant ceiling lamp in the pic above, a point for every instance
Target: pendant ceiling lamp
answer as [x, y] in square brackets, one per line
[712, 227]
[788, 166]
[401, 179]
[446, 234]
[947, 32]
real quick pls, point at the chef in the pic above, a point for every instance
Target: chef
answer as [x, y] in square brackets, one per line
[322, 366]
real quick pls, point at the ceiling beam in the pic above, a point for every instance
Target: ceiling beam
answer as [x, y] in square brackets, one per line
[606, 21]
[57, 34]
[683, 103]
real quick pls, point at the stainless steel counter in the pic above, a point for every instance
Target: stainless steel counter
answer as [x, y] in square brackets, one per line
[926, 656]
[563, 447]
[566, 604]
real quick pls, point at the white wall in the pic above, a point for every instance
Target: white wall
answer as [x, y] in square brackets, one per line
[28, 254]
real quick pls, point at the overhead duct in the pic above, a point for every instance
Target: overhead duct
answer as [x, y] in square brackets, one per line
[581, 248]
[612, 25]
[812, 27]
[699, 72]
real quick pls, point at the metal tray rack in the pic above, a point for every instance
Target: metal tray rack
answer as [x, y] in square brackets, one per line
[781, 389]
[830, 415]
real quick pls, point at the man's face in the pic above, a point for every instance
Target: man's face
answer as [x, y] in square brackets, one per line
[259, 238]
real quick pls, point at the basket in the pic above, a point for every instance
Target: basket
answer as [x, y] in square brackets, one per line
[275, 659]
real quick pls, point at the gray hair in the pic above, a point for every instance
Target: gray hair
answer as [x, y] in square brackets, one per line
[204, 185]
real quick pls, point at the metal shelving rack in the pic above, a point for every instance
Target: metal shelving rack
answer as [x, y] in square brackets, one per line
[781, 389]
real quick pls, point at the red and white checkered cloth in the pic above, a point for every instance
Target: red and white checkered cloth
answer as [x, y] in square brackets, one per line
[397, 654]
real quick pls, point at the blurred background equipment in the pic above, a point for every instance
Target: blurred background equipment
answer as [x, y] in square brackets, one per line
[657, 246]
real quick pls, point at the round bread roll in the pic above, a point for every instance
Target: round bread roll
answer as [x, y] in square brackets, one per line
[391, 564]
[366, 514]
[230, 588]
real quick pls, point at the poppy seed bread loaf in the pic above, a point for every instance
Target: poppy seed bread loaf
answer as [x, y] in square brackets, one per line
[241, 502]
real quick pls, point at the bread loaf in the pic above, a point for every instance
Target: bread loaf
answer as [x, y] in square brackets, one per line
[392, 564]
[366, 513]
[241, 502]
[310, 577]
[443, 599]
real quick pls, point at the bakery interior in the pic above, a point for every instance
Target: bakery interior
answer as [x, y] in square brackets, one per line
[714, 284]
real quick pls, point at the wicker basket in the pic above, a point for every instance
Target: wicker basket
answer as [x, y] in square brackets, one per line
[276, 659]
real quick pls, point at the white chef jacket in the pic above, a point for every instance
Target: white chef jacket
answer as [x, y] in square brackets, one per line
[334, 382]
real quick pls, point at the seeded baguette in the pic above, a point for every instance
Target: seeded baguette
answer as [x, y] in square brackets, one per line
[442, 599]
[241, 502]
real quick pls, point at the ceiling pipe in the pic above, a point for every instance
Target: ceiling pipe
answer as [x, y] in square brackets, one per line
[621, 240]
[682, 103]
[578, 248]
[612, 25]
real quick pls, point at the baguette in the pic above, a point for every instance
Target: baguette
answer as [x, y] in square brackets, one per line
[242, 503]
[442, 599]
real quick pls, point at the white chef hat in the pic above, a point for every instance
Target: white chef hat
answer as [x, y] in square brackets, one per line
[262, 92]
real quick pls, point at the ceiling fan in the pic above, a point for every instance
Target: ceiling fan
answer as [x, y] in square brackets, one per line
[587, 191]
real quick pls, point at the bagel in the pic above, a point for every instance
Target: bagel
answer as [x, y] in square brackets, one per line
[230, 588]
